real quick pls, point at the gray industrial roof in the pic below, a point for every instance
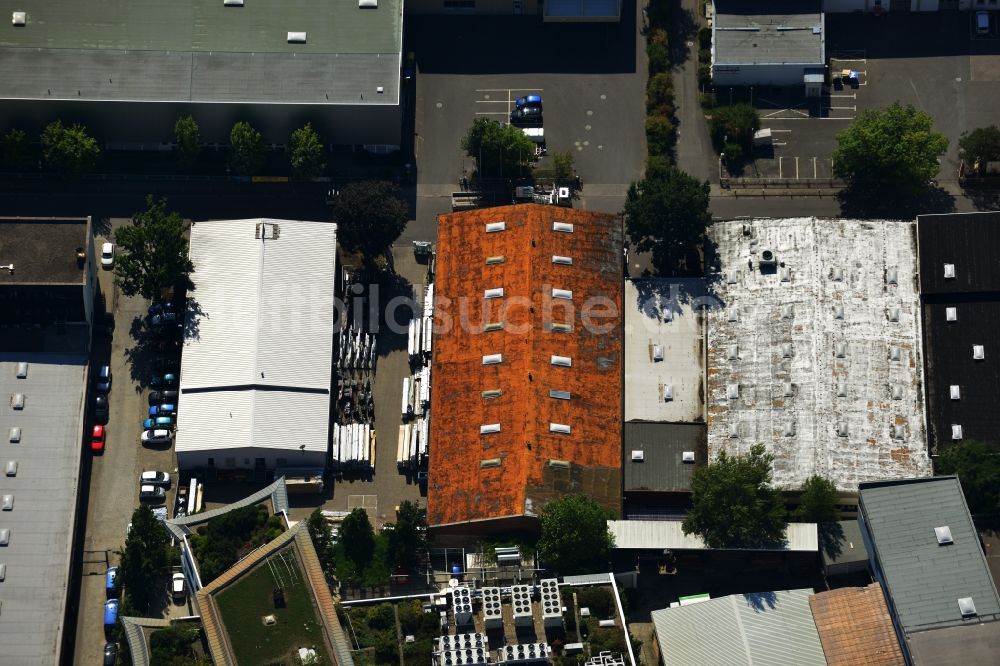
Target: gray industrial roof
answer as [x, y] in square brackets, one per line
[774, 628]
[42, 249]
[45, 495]
[662, 445]
[203, 51]
[924, 579]
[768, 32]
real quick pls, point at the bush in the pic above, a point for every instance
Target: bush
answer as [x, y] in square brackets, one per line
[733, 152]
[659, 57]
[381, 617]
[705, 56]
[705, 38]
[660, 94]
[598, 600]
[656, 164]
[659, 135]
[734, 123]
[69, 149]
[704, 74]
[610, 640]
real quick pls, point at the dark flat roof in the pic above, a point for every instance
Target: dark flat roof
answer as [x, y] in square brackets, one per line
[43, 250]
[662, 445]
[841, 543]
[970, 241]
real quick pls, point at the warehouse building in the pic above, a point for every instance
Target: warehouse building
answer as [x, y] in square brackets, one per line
[773, 43]
[814, 349]
[960, 297]
[258, 349]
[128, 70]
[526, 364]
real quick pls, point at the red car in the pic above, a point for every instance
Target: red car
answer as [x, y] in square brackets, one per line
[97, 439]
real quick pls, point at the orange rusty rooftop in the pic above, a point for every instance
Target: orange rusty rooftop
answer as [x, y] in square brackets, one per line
[527, 396]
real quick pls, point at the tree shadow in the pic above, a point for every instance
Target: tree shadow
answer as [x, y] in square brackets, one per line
[879, 201]
[383, 302]
[984, 199]
[831, 539]
[192, 319]
[761, 601]
[101, 226]
[683, 28]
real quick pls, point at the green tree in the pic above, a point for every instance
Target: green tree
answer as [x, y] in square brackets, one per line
[734, 123]
[306, 152]
[657, 51]
[323, 541]
[980, 146]
[892, 147]
[154, 252]
[173, 644]
[818, 501]
[660, 95]
[358, 537]
[562, 165]
[502, 151]
[69, 149]
[659, 135]
[977, 466]
[575, 536]
[666, 213]
[145, 558]
[408, 537]
[16, 149]
[246, 149]
[370, 216]
[187, 134]
[734, 505]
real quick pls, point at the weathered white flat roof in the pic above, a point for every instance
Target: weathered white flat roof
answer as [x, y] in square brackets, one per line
[661, 315]
[822, 360]
[660, 534]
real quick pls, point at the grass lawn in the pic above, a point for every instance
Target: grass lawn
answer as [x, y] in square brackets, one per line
[246, 602]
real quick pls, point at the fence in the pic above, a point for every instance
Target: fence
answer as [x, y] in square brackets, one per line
[729, 182]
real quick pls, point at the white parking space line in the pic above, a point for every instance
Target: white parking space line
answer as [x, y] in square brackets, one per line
[814, 169]
[796, 168]
[492, 113]
[779, 166]
[851, 96]
[509, 90]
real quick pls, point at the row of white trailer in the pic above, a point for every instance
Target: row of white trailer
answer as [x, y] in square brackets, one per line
[411, 451]
[357, 350]
[416, 393]
[421, 328]
[354, 447]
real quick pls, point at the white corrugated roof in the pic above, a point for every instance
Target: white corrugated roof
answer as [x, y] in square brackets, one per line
[259, 344]
[660, 534]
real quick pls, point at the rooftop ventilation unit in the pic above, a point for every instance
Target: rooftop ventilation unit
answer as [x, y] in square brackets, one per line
[837, 274]
[492, 393]
[956, 431]
[11, 468]
[790, 429]
[560, 428]
[733, 391]
[561, 328]
[668, 392]
[657, 353]
[732, 314]
[17, 401]
[559, 395]
[493, 227]
[367, 4]
[949, 271]
[978, 352]
[489, 462]
[687, 456]
[492, 607]
[787, 312]
[564, 227]
[564, 294]
[787, 390]
[520, 599]
[551, 602]
[3, 571]
[785, 274]
[495, 260]
[892, 276]
[564, 361]
[840, 350]
[559, 464]
[842, 429]
[461, 605]
[496, 292]
[893, 314]
[733, 352]
[4, 538]
[493, 326]
[896, 391]
[19, 18]
[951, 314]
[296, 38]
[966, 607]
[668, 314]
[232, 3]
[895, 353]
[767, 259]
[955, 392]
[489, 428]
[15, 434]
[841, 389]
[22, 370]
[943, 535]
[7, 503]
[732, 277]
[564, 261]
[734, 430]
[898, 432]
[786, 350]
[838, 311]
[492, 359]
[638, 456]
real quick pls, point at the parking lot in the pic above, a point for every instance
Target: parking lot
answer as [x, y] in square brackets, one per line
[933, 60]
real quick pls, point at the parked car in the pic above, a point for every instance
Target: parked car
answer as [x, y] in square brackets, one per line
[163, 318]
[528, 115]
[152, 494]
[178, 589]
[101, 412]
[111, 582]
[167, 364]
[165, 409]
[158, 423]
[159, 397]
[529, 101]
[104, 379]
[110, 654]
[982, 23]
[97, 438]
[160, 307]
[153, 478]
[108, 256]
[110, 614]
[159, 380]
[159, 436]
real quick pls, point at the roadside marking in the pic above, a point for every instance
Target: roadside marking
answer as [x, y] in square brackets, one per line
[851, 96]
[492, 101]
[779, 167]
[778, 143]
[815, 173]
[818, 118]
[796, 168]
[840, 108]
[491, 113]
[780, 130]
[508, 89]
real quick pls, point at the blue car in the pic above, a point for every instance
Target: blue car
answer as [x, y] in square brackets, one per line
[163, 410]
[529, 100]
[159, 423]
[111, 582]
[110, 614]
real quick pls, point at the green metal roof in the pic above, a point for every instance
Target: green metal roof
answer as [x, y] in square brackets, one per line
[260, 26]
